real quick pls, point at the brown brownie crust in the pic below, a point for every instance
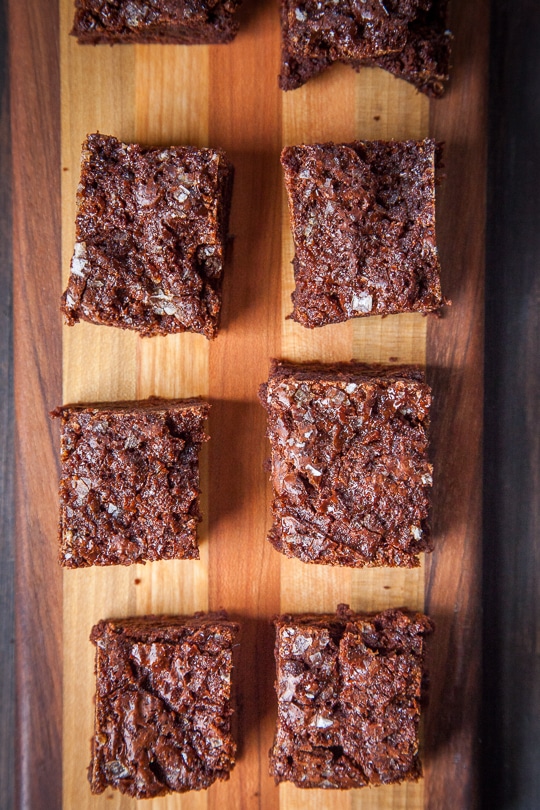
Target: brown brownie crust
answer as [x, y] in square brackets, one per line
[181, 22]
[129, 491]
[151, 234]
[349, 690]
[163, 704]
[408, 38]
[350, 472]
[363, 222]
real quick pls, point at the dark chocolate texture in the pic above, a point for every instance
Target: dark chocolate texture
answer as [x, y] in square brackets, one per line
[129, 491]
[163, 704]
[349, 690]
[408, 38]
[181, 22]
[350, 472]
[151, 234]
[363, 222]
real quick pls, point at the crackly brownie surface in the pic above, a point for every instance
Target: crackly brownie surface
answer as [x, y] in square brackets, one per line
[151, 234]
[408, 38]
[163, 704]
[184, 22]
[350, 472]
[129, 490]
[363, 223]
[349, 690]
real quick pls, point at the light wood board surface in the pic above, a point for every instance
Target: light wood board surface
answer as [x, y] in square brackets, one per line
[225, 96]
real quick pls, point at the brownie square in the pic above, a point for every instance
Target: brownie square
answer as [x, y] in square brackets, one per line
[349, 690]
[349, 464]
[129, 491]
[163, 704]
[363, 222]
[151, 234]
[409, 38]
[181, 22]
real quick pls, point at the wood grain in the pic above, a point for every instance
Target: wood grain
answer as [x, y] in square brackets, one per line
[228, 97]
[33, 35]
[7, 512]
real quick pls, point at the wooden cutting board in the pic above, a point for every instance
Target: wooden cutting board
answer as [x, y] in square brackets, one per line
[227, 96]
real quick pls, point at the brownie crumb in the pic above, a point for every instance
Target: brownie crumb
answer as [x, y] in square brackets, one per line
[180, 22]
[350, 472]
[129, 491]
[151, 236]
[363, 222]
[408, 38]
[163, 704]
[350, 688]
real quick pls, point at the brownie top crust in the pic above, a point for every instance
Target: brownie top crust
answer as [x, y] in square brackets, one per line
[129, 490]
[163, 704]
[349, 690]
[350, 472]
[184, 22]
[151, 235]
[363, 222]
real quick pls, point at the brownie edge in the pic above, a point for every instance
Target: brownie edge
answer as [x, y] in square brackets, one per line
[163, 705]
[350, 688]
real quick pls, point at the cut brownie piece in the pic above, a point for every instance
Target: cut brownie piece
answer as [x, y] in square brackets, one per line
[181, 22]
[349, 690]
[151, 237]
[363, 222]
[129, 491]
[409, 38]
[163, 704]
[350, 472]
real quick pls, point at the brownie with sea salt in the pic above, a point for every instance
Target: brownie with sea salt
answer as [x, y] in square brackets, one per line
[363, 222]
[151, 235]
[180, 22]
[163, 704]
[129, 488]
[408, 38]
[349, 467]
[350, 688]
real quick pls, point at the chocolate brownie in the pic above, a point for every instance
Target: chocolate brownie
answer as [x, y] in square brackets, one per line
[409, 38]
[151, 235]
[163, 704]
[129, 491]
[181, 22]
[349, 467]
[349, 690]
[363, 222]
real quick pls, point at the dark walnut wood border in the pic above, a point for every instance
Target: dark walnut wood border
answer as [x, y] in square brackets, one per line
[35, 127]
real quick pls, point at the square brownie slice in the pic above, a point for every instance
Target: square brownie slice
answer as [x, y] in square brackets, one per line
[163, 704]
[151, 235]
[349, 690]
[409, 38]
[349, 465]
[181, 22]
[363, 222]
[129, 491]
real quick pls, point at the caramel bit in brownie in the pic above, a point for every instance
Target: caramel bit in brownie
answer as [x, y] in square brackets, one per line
[163, 704]
[349, 690]
[129, 491]
[181, 22]
[349, 467]
[408, 38]
[363, 222]
[151, 236]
